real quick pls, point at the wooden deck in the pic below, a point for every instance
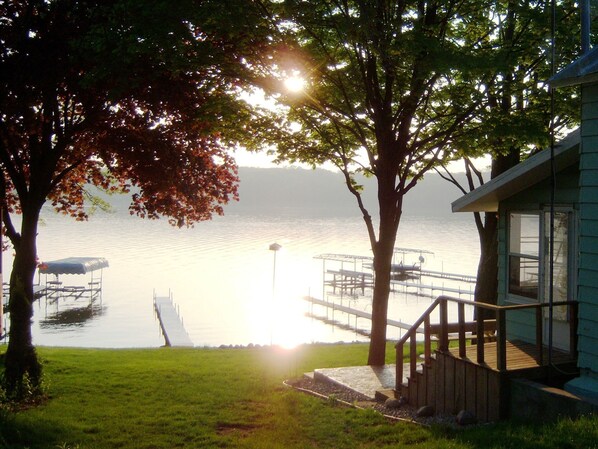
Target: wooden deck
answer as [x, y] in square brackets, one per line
[520, 356]
[476, 377]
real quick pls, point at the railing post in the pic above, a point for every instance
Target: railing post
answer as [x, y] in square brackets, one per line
[480, 335]
[501, 340]
[427, 340]
[399, 367]
[461, 318]
[443, 343]
[539, 335]
[412, 355]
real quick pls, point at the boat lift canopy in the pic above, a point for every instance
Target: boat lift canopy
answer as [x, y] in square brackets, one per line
[73, 265]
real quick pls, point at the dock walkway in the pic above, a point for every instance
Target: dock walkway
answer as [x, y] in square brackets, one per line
[172, 326]
[354, 312]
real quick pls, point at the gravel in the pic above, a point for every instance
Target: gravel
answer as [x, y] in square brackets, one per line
[334, 392]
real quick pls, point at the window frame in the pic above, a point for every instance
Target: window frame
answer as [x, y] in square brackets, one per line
[513, 295]
[542, 258]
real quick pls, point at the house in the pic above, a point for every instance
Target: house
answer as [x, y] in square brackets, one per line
[522, 198]
[545, 334]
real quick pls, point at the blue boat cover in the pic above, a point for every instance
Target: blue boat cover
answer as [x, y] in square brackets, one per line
[73, 265]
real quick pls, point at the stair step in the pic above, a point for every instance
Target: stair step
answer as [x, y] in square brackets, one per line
[383, 395]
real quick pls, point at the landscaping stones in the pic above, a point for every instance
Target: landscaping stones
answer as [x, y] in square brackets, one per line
[393, 403]
[405, 412]
[425, 411]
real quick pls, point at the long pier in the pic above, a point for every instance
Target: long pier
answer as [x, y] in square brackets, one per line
[354, 312]
[172, 326]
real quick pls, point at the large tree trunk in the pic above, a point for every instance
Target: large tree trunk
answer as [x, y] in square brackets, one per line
[390, 213]
[21, 363]
[382, 263]
[486, 289]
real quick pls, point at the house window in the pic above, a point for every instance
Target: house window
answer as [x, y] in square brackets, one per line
[524, 255]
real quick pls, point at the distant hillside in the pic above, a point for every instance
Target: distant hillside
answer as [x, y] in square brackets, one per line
[301, 192]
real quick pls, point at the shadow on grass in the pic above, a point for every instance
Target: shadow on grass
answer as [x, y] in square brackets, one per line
[565, 433]
[16, 431]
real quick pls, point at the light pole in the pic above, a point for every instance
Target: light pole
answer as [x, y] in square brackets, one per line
[274, 247]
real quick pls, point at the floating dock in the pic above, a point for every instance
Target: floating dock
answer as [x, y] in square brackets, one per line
[171, 323]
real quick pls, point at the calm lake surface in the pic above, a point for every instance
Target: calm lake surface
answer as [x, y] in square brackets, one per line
[221, 276]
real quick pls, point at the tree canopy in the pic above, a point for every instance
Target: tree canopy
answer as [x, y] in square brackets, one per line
[390, 86]
[514, 117]
[396, 89]
[117, 94]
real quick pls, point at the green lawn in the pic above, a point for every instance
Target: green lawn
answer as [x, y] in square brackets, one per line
[196, 398]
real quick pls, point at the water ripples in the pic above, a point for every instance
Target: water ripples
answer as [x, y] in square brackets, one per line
[221, 274]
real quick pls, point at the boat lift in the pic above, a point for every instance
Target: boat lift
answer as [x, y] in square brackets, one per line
[54, 288]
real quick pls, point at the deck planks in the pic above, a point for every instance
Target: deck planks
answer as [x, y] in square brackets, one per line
[519, 355]
[172, 327]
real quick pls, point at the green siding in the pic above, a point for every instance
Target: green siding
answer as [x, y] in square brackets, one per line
[591, 291]
[585, 278]
[589, 194]
[588, 261]
[518, 325]
[590, 111]
[590, 160]
[589, 93]
[588, 228]
[588, 178]
[590, 314]
[588, 359]
[589, 243]
[539, 195]
[589, 128]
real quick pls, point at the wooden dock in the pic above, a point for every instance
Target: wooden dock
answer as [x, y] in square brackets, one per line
[172, 326]
[352, 281]
[354, 312]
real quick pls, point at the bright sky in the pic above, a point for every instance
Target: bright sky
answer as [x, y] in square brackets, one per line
[246, 159]
[262, 160]
[296, 84]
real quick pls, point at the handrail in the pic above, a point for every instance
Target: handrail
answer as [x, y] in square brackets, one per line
[482, 325]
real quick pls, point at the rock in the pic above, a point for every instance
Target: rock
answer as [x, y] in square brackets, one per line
[393, 403]
[466, 418]
[425, 411]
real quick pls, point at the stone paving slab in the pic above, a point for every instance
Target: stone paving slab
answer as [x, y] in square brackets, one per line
[362, 379]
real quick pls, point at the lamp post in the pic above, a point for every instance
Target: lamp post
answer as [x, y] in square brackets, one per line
[274, 247]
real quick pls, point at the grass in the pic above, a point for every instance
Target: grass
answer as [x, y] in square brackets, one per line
[219, 398]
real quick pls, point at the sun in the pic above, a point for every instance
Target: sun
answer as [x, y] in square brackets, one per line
[294, 83]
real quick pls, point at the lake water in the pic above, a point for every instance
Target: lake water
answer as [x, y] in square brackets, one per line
[221, 275]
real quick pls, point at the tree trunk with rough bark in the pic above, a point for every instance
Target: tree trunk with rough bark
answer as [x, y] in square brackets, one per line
[486, 289]
[21, 362]
[390, 203]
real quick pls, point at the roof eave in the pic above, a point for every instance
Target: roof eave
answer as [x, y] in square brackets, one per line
[581, 71]
[574, 81]
[486, 198]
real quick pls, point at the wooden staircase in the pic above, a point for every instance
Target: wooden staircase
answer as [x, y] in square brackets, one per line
[472, 374]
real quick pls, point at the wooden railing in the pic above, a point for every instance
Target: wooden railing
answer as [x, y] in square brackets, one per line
[480, 326]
